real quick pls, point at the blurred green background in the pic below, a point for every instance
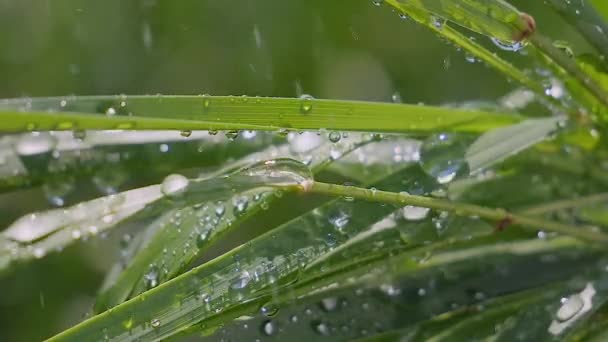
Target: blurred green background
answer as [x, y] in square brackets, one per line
[342, 49]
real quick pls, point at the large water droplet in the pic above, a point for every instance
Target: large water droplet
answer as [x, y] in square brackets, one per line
[442, 157]
[413, 213]
[35, 143]
[174, 185]
[335, 136]
[281, 172]
[570, 307]
[306, 103]
[329, 304]
[269, 328]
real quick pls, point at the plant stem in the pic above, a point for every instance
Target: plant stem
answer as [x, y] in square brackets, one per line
[464, 209]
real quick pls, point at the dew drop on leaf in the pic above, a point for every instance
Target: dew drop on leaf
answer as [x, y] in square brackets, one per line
[442, 157]
[335, 136]
[174, 185]
[269, 328]
[570, 307]
[329, 304]
[321, 328]
[269, 310]
[413, 213]
[306, 103]
[151, 277]
[242, 281]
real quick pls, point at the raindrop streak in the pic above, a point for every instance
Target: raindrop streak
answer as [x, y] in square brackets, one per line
[442, 157]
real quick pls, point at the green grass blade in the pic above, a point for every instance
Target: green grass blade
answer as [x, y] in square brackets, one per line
[233, 113]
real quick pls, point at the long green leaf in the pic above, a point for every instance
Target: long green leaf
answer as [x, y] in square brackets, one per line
[233, 113]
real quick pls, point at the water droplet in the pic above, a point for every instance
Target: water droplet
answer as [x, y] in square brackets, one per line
[413, 213]
[201, 239]
[281, 172]
[470, 58]
[377, 2]
[570, 307]
[329, 304]
[242, 281]
[442, 157]
[185, 133]
[57, 188]
[306, 103]
[508, 45]
[321, 328]
[151, 277]
[155, 323]
[240, 204]
[335, 136]
[269, 328]
[232, 135]
[339, 219]
[396, 98]
[269, 310]
[35, 143]
[220, 209]
[437, 22]
[174, 185]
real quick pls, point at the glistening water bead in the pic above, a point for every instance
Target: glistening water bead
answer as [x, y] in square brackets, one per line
[442, 156]
[306, 103]
[174, 185]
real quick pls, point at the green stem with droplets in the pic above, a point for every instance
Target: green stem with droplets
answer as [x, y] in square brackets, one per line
[544, 45]
[423, 17]
[463, 209]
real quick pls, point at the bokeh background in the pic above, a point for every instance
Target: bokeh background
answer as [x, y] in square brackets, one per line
[341, 49]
